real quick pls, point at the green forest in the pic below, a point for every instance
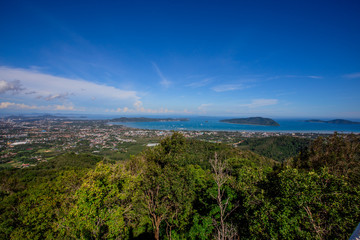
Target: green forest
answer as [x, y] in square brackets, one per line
[190, 189]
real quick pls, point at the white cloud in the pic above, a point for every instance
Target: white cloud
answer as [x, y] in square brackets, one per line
[228, 87]
[11, 105]
[138, 104]
[45, 87]
[22, 106]
[260, 103]
[138, 108]
[164, 81]
[352, 75]
[64, 108]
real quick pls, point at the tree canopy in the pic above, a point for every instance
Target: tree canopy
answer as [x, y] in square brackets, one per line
[187, 189]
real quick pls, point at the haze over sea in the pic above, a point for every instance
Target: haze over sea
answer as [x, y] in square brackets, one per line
[214, 124]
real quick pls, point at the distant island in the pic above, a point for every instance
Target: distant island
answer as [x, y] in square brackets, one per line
[252, 121]
[143, 119]
[335, 121]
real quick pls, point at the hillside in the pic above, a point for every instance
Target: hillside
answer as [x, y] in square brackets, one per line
[278, 148]
[187, 189]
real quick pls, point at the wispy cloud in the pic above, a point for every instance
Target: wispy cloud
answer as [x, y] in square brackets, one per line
[203, 107]
[295, 76]
[52, 97]
[315, 77]
[255, 103]
[138, 108]
[229, 87]
[285, 93]
[31, 92]
[201, 83]
[352, 75]
[164, 81]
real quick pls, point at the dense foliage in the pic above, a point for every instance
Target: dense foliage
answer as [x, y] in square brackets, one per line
[187, 189]
[279, 148]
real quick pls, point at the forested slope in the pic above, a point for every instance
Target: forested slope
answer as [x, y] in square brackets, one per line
[279, 148]
[187, 189]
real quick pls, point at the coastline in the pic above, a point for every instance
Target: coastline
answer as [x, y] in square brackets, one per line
[273, 132]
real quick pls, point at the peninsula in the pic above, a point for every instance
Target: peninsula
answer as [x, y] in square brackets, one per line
[335, 121]
[143, 119]
[252, 121]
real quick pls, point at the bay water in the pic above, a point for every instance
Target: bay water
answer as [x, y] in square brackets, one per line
[214, 124]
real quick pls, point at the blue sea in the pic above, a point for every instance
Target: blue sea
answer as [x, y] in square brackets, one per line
[214, 124]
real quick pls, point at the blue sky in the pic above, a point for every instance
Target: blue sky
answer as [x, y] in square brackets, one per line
[216, 58]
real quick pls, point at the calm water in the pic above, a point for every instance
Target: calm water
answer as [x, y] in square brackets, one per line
[213, 124]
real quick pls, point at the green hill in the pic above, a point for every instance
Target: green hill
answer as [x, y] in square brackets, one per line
[335, 121]
[252, 121]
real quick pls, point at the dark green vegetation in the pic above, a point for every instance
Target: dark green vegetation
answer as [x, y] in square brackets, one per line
[188, 189]
[335, 121]
[278, 148]
[252, 121]
[143, 119]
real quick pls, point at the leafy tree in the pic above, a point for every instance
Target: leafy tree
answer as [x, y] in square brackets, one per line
[32, 200]
[248, 178]
[102, 205]
[166, 192]
[307, 205]
[339, 153]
